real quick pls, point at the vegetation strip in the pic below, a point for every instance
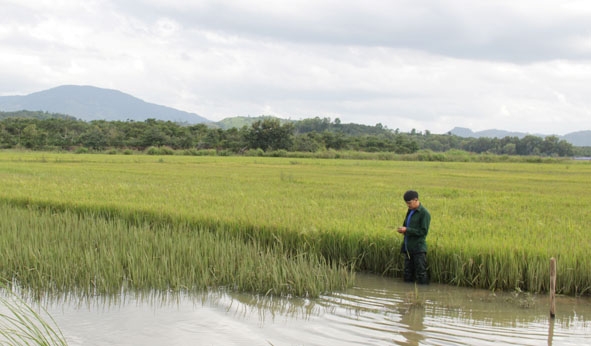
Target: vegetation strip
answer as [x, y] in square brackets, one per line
[254, 137]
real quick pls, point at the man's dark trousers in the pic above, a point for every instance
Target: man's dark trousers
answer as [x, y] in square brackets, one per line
[415, 268]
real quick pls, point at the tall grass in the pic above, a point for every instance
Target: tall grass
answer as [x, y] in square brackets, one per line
[51, 253]
[495, 224]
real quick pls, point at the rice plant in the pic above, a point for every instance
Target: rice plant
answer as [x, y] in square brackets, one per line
[52, 253]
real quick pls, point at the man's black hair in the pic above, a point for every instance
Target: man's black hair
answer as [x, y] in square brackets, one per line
[410, 195]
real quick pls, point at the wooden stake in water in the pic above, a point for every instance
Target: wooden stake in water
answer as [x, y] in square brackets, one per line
[552, 287]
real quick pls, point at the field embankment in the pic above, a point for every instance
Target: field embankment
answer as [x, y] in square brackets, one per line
[494, 225]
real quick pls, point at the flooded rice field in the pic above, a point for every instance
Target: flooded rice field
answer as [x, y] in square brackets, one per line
[377, 311]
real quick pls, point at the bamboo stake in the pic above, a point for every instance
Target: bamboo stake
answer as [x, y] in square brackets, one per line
[552, 287]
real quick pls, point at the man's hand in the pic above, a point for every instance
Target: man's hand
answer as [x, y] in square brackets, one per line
[401, 229]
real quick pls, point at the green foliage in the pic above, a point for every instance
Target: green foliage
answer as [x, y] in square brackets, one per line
[269, 134]
[266, 133]
[159, 151]
[254, 152]
[582, 151]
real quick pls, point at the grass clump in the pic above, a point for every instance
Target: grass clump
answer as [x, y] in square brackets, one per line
[21, 324]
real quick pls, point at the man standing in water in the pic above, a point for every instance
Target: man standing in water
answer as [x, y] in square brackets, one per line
[414, 248]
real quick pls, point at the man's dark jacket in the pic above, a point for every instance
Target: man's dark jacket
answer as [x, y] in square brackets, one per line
[416, 230]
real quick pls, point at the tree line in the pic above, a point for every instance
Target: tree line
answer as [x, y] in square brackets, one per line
[43, 131]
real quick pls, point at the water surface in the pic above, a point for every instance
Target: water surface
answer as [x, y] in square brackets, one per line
[377, 311]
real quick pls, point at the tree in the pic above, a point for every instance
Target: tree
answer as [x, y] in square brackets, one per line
[334, 141]
[93, 138]
[269, 134]
[32, 138]
[312, 125]
[552, 146]
[529, 145]
[565, 148]
[154, 136]
[233, 140]
[404, 145]
[509, 149]
[480, 145]
[434, 144]
[45, 131]
[307, 143]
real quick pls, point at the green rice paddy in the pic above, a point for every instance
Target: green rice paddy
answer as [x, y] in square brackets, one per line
[97, 223]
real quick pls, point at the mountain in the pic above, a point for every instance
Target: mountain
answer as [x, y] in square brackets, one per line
[579, 138]
[91, 103]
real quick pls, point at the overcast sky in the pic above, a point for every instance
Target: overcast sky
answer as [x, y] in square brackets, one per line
[515, 65]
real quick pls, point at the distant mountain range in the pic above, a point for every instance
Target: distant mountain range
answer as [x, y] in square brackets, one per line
[579, 138]
[91, 103]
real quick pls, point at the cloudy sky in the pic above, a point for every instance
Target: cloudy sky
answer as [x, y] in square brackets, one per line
[515, 65]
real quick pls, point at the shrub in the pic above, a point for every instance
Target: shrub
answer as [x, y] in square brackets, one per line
[254, 152]
[152, 151]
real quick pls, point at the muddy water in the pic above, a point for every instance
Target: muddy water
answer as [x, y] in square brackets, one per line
[378, 311]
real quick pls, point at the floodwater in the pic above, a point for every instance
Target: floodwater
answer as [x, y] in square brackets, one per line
[377, 311]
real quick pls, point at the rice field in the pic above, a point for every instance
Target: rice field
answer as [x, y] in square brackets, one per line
[494, 225]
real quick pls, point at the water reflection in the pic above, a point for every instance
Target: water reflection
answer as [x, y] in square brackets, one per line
[378, 311]
[551, 332]
[413, 325]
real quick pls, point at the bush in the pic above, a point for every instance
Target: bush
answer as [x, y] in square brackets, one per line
[159, 151]
[428, 155]
[278, 153]
[254, 152]
[327, 154]
[166, 151]
[206, 152]
[152, 151]
[224, 153]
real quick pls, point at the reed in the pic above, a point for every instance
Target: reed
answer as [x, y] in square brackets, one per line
[495, 224]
